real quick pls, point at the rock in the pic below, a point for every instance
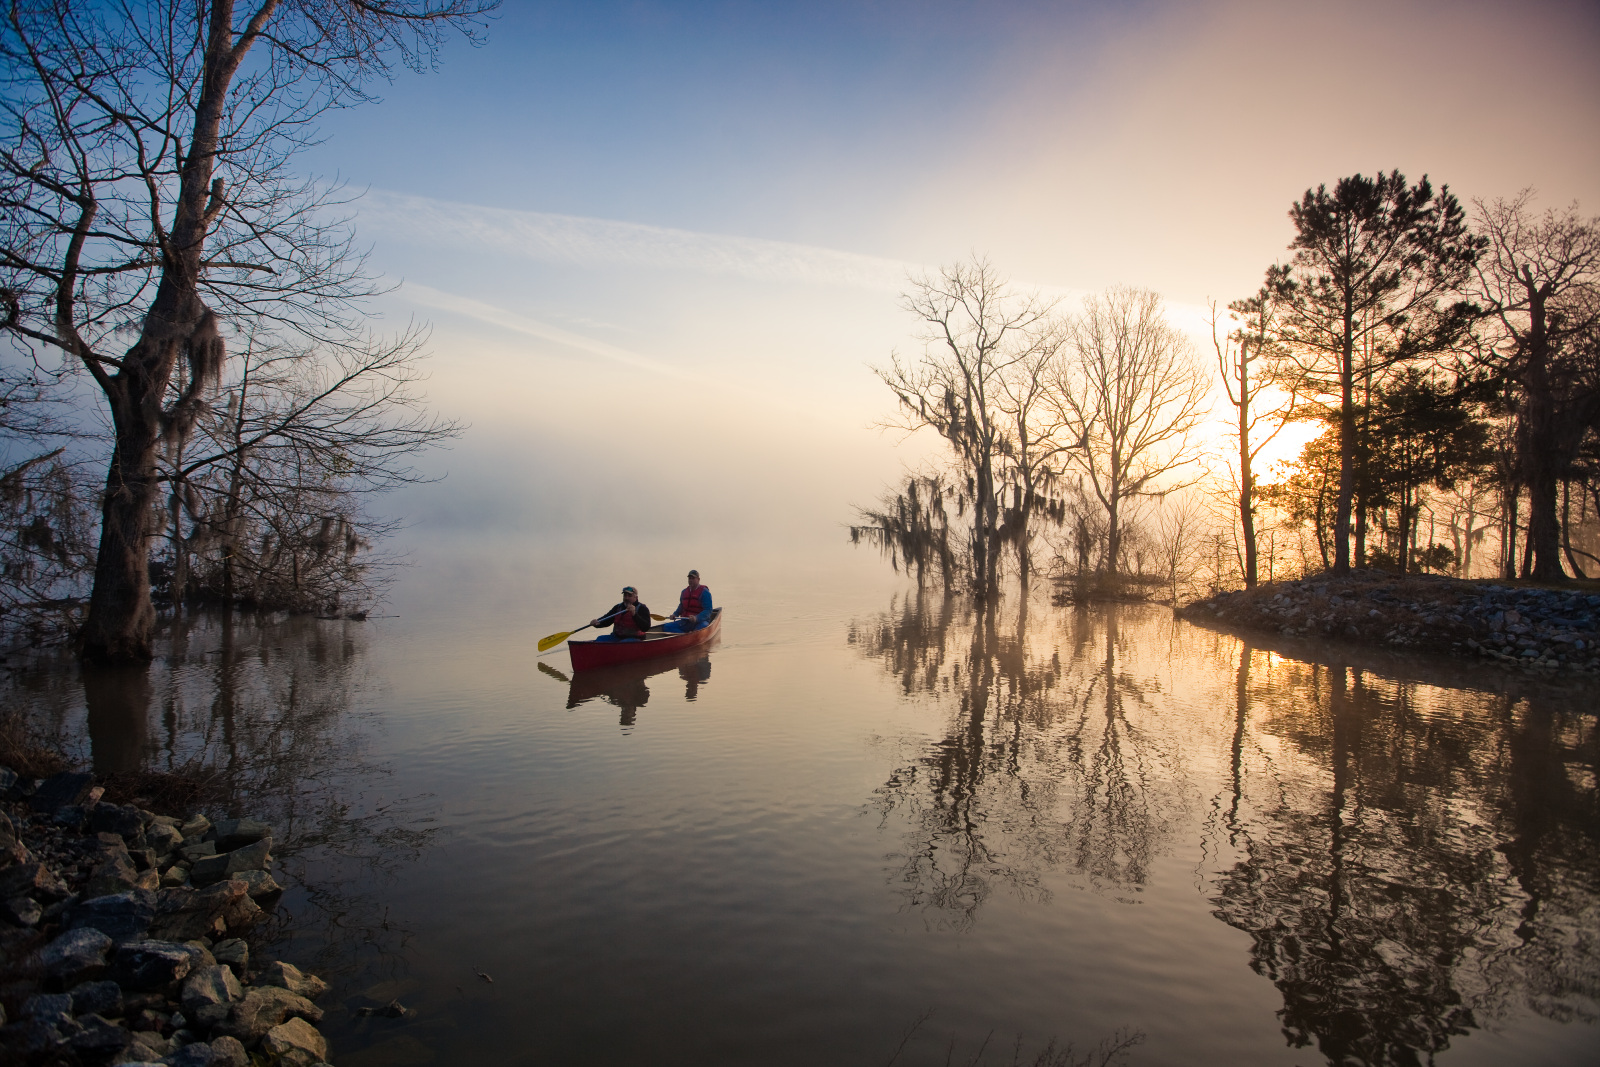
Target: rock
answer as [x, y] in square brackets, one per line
[261, 1009]
[173, 877]
[60, 790]
[288, 976]
[152, 964]
[75, 956]
[295, 1042]
[143, 858]
[213, 985]
[229, 1053]
[215, 910]
[235, 952]
[120, 916]
[260, 883]
[124, 820]
[31, 880]
[194, 850]
[97, 998]
[209, 869]
[8, 782]
[200, 953]
[30, 1036]
[194, 826]
[115, 875]
[237, 833]
[21, 911]
[48, 1006]
[99, 1037]
[146, 1019]
[149, 1045]
[162, 837]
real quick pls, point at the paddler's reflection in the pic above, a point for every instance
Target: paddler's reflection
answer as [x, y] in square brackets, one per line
[693, 675]
[626, 687]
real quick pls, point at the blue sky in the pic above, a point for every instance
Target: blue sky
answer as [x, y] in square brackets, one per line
[698, 214]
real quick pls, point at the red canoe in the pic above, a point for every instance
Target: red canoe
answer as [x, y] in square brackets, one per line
[587, 655]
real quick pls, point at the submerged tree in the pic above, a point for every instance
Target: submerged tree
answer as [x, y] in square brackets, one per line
[144, 160]
[975, 331]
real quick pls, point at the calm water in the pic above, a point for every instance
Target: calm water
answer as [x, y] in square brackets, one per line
[866, 805]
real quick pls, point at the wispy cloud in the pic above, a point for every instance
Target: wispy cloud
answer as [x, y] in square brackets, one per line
[608, 243]
[510, 320]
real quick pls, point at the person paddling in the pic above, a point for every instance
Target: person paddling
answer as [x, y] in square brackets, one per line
[694, 607]
[629, 620]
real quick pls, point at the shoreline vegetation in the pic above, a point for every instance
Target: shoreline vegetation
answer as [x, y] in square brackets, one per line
[1529, 625]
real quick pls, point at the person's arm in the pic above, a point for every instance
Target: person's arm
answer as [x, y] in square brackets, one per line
[607, 615]
[641, 615]
[705, 599]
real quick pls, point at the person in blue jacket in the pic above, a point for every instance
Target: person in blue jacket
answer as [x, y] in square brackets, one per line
[694, 607]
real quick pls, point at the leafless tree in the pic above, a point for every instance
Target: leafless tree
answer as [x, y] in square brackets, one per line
[1130, 395]
[1243, 360]
[271, 481]
[975, 331]
[1539, 281]
[144, 168]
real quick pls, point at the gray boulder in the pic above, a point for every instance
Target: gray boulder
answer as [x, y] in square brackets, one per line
[122, 916]
[162, 837]
[152, 965]
[124, 820]
[260, 883]
[209, 869]
[31, 880]
[235, 952]
[99, 1037]
[262, 1008]
[184, 914]
[97, 998]
[295, 1042]
[21, 911]
[75, 956]
[213, 985]
[237, 833]
[288, 976]
[59, 790]
[48, 1006]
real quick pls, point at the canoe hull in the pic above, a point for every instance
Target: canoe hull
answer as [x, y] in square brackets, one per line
[587, 655]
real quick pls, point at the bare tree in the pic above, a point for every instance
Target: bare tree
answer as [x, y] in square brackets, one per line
[1252, 347]
[1130, 395]
[975, 330]
[144, 167]
[1539, 281]
[271, 482]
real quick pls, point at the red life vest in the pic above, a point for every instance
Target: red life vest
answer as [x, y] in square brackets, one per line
[626, 623]
[689, 601]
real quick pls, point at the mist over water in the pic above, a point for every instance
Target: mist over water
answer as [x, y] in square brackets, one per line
[866, 802]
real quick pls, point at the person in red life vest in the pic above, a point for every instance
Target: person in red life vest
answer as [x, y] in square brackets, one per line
[629, 619]
[694, 607]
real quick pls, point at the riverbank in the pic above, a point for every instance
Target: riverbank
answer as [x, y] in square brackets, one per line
[1525, 626]
[125, 935]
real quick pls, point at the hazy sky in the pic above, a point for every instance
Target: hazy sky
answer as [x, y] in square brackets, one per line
[643, 228]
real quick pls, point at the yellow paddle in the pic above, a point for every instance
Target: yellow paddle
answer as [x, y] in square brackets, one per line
[555, 639]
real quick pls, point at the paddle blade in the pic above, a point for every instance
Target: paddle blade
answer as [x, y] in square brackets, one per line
[553, 640]
[658, 618]
[552, 672]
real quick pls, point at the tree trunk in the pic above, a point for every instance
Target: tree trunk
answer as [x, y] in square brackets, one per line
[1541, 451]
[1247, 518]
[1347, 448]
[121, 617]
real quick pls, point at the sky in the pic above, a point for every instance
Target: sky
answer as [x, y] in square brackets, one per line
[660, 244]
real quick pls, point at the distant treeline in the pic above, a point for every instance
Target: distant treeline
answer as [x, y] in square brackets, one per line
[1449, 366]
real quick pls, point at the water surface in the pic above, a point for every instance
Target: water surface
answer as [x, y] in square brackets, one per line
[868, 806]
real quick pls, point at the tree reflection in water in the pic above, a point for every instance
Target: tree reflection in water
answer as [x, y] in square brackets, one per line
[1044, 763]
[269, 709]
[1416, 861]
[1411, 859]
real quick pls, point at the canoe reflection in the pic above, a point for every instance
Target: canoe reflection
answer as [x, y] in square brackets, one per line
[624, 685]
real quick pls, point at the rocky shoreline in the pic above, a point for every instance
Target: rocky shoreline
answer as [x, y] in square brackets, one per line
[124, 937]
[1537, 629]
